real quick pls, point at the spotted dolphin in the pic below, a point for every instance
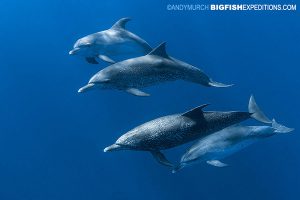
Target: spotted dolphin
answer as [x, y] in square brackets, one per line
[174, 130]
[109, 44]
[133, 74]
[224, 143]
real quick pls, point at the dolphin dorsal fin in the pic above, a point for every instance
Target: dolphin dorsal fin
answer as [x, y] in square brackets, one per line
[195, 112]
[121, 23]
[160, 51]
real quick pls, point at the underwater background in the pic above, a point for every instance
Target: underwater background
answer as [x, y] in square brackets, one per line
[52, 138]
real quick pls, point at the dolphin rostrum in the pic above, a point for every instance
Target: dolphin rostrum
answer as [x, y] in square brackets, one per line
[173, 130]
[108, 44]
[133, 74]
[223, 143]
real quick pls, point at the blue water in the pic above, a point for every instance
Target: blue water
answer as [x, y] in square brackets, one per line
[52, 138]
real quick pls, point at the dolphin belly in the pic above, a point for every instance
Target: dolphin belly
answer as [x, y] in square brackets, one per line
[221, 153]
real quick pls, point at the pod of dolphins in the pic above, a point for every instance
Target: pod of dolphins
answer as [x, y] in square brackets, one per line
[218, 132]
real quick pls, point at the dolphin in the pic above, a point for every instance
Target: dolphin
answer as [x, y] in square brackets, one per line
[223, 143]
[174, 130]
[132, 74]
[108, 44]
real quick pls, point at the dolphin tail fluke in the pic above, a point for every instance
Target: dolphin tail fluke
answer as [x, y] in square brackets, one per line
[161, 158]
[137, 92]
[280, 128]
[113, 147]
[256, 113]
[216, 163]
[217, 84]
[106, 59]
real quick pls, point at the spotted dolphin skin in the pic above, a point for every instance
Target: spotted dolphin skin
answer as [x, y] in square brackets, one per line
[133, 74]
[173, 130]
[221, 144]
[107, 45]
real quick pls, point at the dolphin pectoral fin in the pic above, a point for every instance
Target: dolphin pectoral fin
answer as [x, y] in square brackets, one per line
[137, 92]
[217, 84]
[91, 60]
[106, 59]
[216, 163]
[160, 157]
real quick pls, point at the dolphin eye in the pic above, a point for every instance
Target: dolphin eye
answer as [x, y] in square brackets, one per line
[86, 44]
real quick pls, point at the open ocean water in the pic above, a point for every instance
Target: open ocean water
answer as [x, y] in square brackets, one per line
[52, 138]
